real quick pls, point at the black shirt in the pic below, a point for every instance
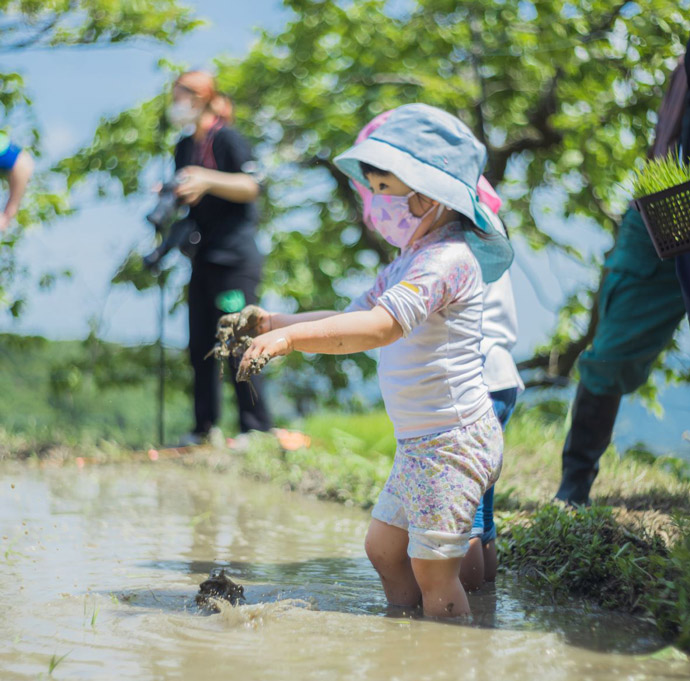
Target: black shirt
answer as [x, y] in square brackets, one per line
[227, 228]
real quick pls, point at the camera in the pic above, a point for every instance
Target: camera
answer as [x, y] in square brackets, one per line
[168, 209]
[171, 221]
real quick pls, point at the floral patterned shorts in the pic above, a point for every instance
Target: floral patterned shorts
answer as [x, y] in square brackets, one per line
[437, 483]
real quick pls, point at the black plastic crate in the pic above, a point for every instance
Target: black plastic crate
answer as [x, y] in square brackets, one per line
[666, 215]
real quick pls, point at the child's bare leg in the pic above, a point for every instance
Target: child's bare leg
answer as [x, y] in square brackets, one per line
[386, 546]
[490, 561]
[473, 568]
[442, 592]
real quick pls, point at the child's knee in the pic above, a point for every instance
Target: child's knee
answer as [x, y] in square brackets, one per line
[381, 556]
[426, 574]
[434, 575]
[373, 550]
[386, 546]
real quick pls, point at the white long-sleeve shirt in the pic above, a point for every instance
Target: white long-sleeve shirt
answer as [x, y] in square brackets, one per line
[500, 329]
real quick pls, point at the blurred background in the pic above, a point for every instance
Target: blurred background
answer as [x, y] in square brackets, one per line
[562, 94]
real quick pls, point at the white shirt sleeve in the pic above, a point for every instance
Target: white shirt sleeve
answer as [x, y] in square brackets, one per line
[433, 280]
[499, 330]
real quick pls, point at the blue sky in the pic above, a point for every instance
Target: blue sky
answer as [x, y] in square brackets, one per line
[73, 88]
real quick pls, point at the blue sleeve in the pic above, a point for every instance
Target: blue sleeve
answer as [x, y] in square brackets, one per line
[8, 153]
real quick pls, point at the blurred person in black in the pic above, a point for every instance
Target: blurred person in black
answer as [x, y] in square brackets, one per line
[213, 163]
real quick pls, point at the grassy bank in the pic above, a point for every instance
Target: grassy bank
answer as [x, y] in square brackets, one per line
[595, 554]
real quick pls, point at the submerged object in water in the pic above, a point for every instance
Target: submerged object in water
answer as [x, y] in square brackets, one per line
[219, 586]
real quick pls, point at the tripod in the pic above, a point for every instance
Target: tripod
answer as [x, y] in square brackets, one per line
[160, 420]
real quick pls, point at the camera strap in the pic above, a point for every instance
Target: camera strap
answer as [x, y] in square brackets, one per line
[203, 152]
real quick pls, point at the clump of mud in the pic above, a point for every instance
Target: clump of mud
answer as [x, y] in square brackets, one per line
[254, 367]
[235, 333]
[219, 586]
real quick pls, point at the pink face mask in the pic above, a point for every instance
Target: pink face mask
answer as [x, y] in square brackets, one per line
[393, 220]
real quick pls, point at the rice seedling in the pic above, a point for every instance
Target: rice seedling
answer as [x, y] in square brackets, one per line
[657, 174]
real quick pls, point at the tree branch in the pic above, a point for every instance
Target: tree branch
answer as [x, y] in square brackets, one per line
[539, 121]
[539, 117]
[558, 368]
[479, 105]
[547, 382]
[40, 33]
[392, 79]
[562, 364]
[597, 201]
[606, 24]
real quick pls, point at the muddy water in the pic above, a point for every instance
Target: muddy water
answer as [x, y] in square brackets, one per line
[101, 565]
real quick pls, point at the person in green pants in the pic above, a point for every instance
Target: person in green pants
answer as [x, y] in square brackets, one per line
[640, 308]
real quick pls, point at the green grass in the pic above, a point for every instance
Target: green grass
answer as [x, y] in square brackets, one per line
[532, 469]
[54, 392]
[589, 553]
[369, 434]
[658, 174]
[54, 662]
[338, 475]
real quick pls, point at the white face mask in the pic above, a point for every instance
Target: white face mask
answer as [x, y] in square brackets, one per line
[182, 113]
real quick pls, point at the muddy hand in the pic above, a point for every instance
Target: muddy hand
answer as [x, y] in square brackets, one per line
[262, 349]
[251, 321]
[251, 368]
[235, 331]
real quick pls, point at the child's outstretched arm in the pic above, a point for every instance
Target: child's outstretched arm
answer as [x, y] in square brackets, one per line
[338, 334]
[254, 320]
[278, 320]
